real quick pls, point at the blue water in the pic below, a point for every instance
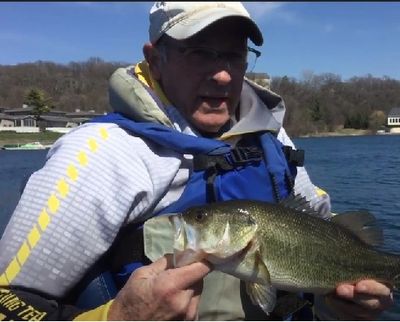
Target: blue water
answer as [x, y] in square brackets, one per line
[360, 172]
[15, 168]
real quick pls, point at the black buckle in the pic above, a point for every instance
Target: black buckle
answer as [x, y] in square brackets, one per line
[294, 156]
[243, 155]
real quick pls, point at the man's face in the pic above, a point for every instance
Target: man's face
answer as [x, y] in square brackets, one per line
[206, 90]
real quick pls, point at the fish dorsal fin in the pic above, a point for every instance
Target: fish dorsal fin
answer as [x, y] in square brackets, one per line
[363, 224]
[300, 204]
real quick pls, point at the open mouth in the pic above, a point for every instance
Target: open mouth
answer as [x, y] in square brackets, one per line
[215, 102]
[186, 250]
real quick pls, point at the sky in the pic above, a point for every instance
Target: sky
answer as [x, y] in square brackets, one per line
[349, 39]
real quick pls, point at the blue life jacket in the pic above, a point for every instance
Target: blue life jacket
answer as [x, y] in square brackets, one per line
[258, 168]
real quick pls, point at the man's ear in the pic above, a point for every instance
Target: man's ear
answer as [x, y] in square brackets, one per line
[153, 58]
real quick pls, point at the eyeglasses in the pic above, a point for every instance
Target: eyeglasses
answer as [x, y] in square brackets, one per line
[198, 56]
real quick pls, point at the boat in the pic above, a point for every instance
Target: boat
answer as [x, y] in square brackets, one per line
[26, 146]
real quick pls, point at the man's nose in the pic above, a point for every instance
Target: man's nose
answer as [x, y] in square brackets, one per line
[222, 76]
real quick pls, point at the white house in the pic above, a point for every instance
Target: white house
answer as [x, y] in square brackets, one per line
[393, 120]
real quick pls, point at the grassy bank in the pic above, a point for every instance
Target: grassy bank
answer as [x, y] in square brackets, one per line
[11, 137]
[340, 132]
[47, 138]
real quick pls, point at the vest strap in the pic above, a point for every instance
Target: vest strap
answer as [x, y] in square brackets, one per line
[296, 157]
[237, 157]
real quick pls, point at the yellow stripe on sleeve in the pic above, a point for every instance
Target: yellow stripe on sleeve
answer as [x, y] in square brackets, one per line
[53, 203]
[23, 253]
[83, 158]
[93, 146]
[3, 280]
[12, 269]
[103, 133]
[62, 190]
[72, 172]
[98, 314]
[44, 219]
[33, 237]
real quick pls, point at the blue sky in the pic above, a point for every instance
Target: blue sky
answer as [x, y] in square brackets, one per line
[344, 38]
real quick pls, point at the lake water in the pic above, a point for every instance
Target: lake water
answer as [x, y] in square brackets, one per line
[360, 172]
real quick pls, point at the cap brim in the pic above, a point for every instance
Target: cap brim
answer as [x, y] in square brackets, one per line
[188, 27]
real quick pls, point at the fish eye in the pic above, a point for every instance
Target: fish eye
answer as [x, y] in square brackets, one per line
[200, 216]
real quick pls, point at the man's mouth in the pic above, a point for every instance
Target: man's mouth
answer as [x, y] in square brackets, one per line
[215, 102]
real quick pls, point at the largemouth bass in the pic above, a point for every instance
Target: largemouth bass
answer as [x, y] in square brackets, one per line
[283, 246]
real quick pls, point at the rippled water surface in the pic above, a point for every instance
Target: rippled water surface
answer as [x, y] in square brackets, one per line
[361, 172]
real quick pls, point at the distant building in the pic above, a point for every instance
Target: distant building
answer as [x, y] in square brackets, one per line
[79, 117]
[16, 120]
[393, 120]
[261, 79]
[6, 120]
[23, 120]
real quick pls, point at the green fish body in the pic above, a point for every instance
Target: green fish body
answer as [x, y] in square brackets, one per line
[283, 246]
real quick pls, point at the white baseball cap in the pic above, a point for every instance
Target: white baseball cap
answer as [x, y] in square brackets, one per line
[181, 20]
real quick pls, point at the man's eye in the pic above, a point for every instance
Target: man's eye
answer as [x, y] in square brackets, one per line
[235, 57]
[202, 53]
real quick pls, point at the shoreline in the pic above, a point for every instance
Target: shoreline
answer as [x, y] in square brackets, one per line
[347, 132]
[48, 138]
[342, 132]
[45, 138]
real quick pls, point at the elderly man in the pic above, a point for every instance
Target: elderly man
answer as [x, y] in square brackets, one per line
[187, 100]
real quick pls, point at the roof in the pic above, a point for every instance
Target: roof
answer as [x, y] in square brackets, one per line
[14, 117]
[394, 112]
[83, 114]
[25, 109]
[51, 111]
[53, 118]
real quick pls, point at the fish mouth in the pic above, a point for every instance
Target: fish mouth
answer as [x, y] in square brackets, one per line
[186, 250]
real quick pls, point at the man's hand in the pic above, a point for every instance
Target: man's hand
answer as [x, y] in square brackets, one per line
[365, 300]
[160, 292]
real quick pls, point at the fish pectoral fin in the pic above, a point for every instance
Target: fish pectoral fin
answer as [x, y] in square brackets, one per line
[262, 270]
[263, 295]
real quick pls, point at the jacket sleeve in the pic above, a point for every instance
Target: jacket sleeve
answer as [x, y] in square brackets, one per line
[23, 304]
[318, 198]
[96, 179]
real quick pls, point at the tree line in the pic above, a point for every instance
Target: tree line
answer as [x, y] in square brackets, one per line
[315, 103]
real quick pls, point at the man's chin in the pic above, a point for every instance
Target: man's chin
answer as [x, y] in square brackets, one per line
[211, 128]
